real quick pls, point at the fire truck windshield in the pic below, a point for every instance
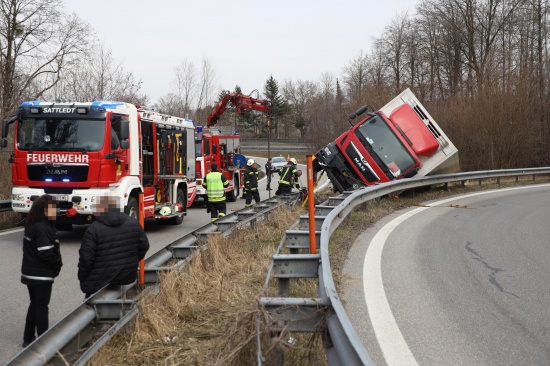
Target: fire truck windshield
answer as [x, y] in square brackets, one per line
[61, 134]
[382, 141]
[198, 147]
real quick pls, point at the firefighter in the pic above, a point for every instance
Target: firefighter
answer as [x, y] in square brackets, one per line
[251, 182]
[214, 183]
[289, 177]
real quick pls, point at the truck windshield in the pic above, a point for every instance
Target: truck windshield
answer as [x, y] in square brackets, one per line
[61, 134]
[198, 148]
[385, 144]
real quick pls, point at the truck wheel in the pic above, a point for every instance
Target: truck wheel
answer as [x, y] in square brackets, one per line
[182, 200]
[236, 186]
[231, 196]
[131, 208]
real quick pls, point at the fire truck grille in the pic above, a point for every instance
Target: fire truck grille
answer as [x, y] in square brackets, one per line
[65, 173]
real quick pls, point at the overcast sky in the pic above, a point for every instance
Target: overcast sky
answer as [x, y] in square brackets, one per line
[245, 41]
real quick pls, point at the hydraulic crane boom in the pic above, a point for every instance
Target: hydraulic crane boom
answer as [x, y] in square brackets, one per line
[241, 102]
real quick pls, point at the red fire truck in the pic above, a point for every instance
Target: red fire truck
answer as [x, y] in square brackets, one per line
[79, 151]
[214, 146]
[401, 140]
[222, 146]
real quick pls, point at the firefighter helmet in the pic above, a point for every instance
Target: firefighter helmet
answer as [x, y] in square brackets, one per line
[293, 161]
[250, 162]
[165, 211]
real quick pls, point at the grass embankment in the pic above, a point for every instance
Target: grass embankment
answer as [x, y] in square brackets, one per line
[207, 313]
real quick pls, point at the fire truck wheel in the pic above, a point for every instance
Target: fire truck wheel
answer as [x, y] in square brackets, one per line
[234, 194]
[231, 196]
[181, 199]
[131, 208]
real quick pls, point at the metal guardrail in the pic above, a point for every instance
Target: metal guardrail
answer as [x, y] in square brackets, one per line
[5, 205]
[111, 309]
[97, 319]
[343, 347]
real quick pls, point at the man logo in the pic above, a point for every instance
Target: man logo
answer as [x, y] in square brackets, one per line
[56, 171]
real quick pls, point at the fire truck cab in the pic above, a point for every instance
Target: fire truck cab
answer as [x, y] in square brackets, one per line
[79, 151]
[214, 146]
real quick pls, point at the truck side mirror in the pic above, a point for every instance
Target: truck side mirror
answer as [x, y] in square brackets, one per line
[4, 129]
[124, 144]
[214, 149]
[124, 129]
[3, 143]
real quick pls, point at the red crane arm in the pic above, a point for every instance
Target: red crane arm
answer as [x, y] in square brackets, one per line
[241, 102]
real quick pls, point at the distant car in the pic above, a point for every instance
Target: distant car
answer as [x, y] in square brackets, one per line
[278, 162]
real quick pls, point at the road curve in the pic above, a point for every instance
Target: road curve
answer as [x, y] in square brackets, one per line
[443, 285]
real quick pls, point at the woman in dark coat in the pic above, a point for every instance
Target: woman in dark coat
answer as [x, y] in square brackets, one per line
[41, 264]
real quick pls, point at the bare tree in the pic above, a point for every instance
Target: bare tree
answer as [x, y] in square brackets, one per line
[193, 91]
[206, 89]
[395, 48]
[37, 41]
[356, 74]
[300, 97]
[96, 76]
[184, 84]
[170, 104]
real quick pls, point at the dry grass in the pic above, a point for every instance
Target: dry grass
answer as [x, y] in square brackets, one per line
[9, 220]
[207, 314]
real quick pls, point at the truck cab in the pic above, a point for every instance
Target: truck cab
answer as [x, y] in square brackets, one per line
[401, 140]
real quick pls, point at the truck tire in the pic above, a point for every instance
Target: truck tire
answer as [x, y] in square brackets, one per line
[236, 186]
[182, 200]
[230, 196]
[131, 208]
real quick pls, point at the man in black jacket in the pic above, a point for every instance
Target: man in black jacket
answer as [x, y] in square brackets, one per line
[111, 248]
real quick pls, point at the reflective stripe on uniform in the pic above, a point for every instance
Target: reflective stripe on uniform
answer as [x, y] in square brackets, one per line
[38, 278]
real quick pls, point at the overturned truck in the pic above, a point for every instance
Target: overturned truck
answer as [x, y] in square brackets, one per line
[400, 140]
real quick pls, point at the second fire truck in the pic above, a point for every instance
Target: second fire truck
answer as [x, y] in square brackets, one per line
[222, 145]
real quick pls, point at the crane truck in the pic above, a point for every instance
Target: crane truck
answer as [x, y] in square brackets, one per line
[78, 151]
[400, 140]
[222, 146]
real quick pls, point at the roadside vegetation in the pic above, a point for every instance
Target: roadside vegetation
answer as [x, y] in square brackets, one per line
[207, 313]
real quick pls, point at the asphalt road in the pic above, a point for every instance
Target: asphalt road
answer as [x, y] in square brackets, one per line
[66, 293]
[456, 286]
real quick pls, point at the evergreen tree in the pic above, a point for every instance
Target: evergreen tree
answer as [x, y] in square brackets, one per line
[278, 104]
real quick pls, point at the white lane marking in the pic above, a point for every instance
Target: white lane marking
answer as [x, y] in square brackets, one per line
[10, 231]
[389, 336]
